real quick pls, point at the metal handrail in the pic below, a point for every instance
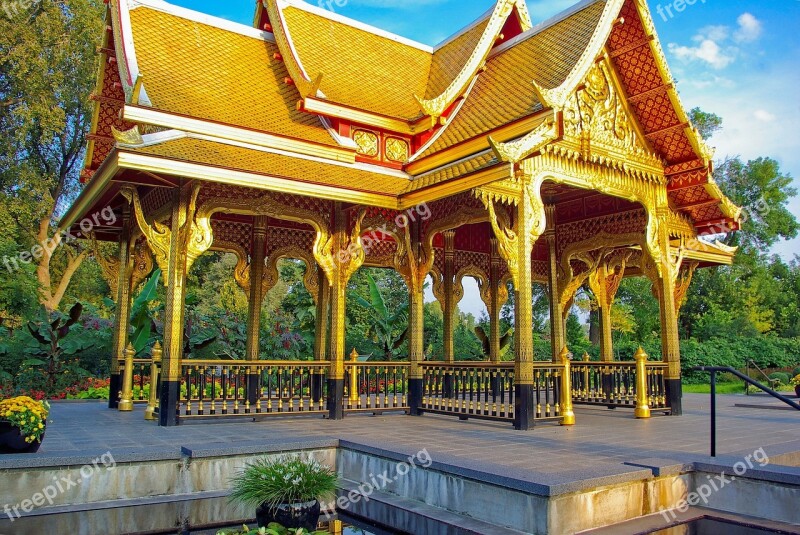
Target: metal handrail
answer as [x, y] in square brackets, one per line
[713, 370]
[751, 362]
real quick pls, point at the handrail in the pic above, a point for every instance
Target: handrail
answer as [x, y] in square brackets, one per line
[263, 363]
[618, 363]
[713, 370]
[750, 362]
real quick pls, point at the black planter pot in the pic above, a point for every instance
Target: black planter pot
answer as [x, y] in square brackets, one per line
[290, 515]
[12, 441]
[797, 390]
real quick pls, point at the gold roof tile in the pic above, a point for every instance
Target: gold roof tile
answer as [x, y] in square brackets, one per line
[360, 69]
[218, 75]
[222, 155]
[454, 171]
[449, 59]
[504, 92]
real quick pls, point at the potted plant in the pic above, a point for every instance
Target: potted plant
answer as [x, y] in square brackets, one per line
[795, 382]
[284, 490]
[22, 424]
[273, 529]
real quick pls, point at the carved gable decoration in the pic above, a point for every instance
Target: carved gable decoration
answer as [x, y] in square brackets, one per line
[595, 117]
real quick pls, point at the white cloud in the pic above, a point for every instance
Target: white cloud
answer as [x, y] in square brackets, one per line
[716, 45]
[749, 29]
[708, 51]
[764, 116]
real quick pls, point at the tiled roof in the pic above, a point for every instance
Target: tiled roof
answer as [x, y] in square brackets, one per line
[504, 92]
[223, 155]
[215, 74]
[455, 170]
[449, 58]
[361, 69]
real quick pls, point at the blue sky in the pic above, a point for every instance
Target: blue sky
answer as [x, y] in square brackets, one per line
[739, 59]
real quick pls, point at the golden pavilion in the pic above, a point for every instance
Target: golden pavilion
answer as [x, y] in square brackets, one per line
[555, 153]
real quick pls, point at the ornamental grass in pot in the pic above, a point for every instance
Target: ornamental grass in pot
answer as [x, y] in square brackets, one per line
[284, 490]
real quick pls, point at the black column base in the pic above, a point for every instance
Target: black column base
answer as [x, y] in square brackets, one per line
[415, 396]
[114, 387]
[335, 397]
[252, 389]
[316, 387]
[448, 386]
[524, 407]
[494, 384]
[168, 403]
[607, 383]
[674, 392]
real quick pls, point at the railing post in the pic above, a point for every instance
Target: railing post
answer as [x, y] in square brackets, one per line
[354, 396]
[152, 403]
[642, 400]
[586, 388]
[567, 414]
[253, 393]
[126, 400]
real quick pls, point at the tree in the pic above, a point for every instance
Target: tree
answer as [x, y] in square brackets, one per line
[707, 124]
[763, 192]
[47, 67]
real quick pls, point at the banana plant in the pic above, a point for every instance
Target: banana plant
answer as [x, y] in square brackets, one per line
[385, 325]
[51, 333]
[486, 345]
[142, 321]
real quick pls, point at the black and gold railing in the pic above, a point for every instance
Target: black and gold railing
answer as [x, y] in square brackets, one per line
[375, 386]
[485, 390]
[211, 388]
[636, 384]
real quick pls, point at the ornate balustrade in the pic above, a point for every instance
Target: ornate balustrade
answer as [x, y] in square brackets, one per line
[254, 388]
[376, 386]
[486, 390]
[140, 380]
[614, 384]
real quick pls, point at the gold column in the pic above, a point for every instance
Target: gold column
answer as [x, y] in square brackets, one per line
[256, 296]
[175, 248]
[448, 311]
[664, 284]
[494, 303]
[122, 314]
[597, 283]
[321, 317]
[339, 254]
[557, 312]
[413, 261]
[515, 243]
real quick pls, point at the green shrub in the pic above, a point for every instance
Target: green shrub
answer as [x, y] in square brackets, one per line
[783, 377]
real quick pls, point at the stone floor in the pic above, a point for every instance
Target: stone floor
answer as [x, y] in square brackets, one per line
[600, 435]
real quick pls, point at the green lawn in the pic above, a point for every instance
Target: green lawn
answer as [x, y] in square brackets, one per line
[727, 388]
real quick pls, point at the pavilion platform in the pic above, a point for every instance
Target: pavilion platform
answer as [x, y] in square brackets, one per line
[609, 466]
[600, 437]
